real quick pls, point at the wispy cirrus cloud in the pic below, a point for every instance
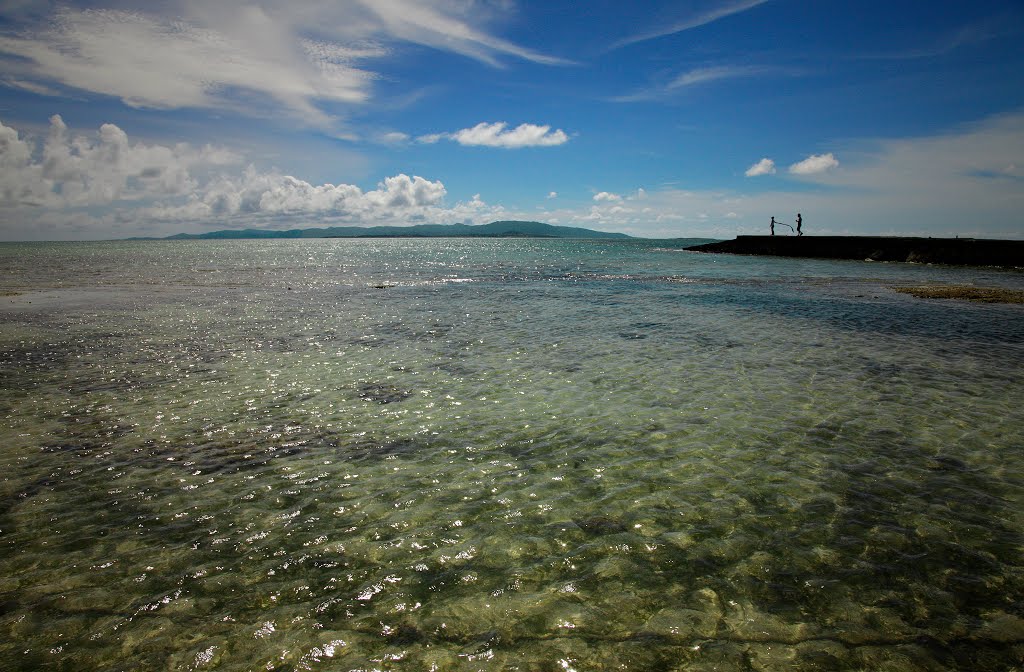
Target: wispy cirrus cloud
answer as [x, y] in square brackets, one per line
[301, 58]
[694, 77]
[152, 62]
[692, 21]
[965, 36]
[428, 24]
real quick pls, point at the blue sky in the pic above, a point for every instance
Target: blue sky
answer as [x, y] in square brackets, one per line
[659, 119]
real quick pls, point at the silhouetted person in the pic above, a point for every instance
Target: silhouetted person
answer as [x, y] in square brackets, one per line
[773, 226]
[799, 223]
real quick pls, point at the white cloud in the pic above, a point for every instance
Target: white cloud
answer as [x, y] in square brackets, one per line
[255, 59]
[431, 138]
[20, 180]
[275, 201]
[61, 187]
[814, 164]
[495, 135]
[96, 170]
[437, 24]
[553, 194]
[273, 194]
[31, 87]
[523, 135]
[763, 167]
[966, 182]
[393, 138]
[149, 62]
[104, 184]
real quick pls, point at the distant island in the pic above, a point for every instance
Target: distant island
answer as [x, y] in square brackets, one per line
[953, 251]
[505, 229]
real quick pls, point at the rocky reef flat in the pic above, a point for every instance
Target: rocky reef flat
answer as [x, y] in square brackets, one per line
[965, 293]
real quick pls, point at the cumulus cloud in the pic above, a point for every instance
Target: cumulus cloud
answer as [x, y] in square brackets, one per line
[96, 170]
[276, 201]
[269, 194]
[553, 194]
[249, 58]
[106, 168]
[67, 181]
[814, 164]
[763, 167]
[964, 182]
[498, 134]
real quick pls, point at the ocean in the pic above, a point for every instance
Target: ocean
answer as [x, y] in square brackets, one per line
[503, 454]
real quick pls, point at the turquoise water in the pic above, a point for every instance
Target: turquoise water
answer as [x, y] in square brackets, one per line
[503, 454]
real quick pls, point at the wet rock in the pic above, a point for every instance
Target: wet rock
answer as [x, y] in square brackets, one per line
[405, 634]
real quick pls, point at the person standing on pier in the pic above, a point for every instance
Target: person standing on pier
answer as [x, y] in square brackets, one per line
[799, 223]
[773, 225]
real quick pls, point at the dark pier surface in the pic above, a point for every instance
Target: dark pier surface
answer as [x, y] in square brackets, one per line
[957, 251]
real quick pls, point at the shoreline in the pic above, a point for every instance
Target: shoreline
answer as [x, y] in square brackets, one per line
[952, 251]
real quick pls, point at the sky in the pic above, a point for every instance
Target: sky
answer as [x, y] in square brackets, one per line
[684, 118]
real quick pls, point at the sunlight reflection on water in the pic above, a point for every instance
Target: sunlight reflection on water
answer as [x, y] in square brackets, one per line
[488, 454]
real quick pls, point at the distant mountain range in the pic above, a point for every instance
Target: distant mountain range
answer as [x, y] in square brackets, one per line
[509, 229]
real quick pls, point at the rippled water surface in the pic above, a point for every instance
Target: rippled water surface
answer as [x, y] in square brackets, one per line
[503, 454]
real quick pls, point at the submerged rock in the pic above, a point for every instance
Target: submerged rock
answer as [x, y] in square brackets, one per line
[600, 525]
[382, 393]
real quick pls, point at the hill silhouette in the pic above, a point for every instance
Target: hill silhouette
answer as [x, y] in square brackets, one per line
[503, 229]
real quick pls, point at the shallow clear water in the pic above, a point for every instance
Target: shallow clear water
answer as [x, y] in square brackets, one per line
[503, 454]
